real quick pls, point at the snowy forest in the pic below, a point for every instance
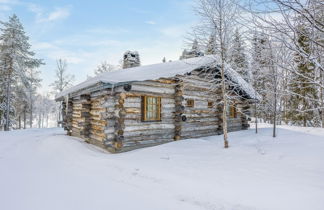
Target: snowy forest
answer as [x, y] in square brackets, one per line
[277, 47]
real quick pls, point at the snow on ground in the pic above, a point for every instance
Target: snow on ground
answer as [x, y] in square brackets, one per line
[44, 169]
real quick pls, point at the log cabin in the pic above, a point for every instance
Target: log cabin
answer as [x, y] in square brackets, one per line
[154, 104]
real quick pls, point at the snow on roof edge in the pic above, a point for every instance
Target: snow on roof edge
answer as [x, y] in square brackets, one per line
[160, 70]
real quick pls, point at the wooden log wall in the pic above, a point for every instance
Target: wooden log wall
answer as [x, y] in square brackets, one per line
[137, 133]
[201, 119]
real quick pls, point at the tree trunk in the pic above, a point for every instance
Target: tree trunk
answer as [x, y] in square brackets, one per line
[39, 120]
[8, 91]
[256, 117]
[224, 104]
[25, 117]
[19, 120]
[322, 97]
[31, 111]
[275, 113]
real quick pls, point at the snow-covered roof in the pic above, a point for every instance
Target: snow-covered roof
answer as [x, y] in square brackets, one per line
[156, 71]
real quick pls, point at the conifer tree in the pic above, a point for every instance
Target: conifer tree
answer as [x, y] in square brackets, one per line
[303, 91]
[238, 58]
[193, 52]
[211, 45]
[260, 70]
[15, 57]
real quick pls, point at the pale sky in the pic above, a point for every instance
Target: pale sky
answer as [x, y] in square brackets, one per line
[86, 32]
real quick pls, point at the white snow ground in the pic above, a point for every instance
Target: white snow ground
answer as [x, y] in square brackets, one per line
[42, 169]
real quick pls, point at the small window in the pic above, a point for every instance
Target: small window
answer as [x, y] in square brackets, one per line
[232, 111]
[190, 103]
[210, 104]
[151, 108]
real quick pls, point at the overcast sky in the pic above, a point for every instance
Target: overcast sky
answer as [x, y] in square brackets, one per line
[86, 32]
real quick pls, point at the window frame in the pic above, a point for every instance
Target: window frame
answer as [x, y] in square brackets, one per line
[232, 111]
[210, 104]
[145, 109]
[190, 103]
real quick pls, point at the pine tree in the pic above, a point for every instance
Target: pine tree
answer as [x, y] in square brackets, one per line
[238, 58]
[211, 45]
[193, 52]
[260, 70]
[16, 57]
[304, 93]
[33, 82]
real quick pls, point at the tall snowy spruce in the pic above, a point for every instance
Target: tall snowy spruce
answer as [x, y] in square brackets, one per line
[15, 59]
[238, 57]
[32, 82]
[304, 94]
[261, 74]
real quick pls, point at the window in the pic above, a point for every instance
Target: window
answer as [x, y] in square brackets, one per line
[151, 108]
[190, 103]
[232, 111]
[210, 104]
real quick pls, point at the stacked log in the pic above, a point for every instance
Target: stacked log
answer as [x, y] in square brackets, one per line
[120, 114]
[63, 111]
[179, 109]
[84, 123]
[98, 122]
[67, 112]
[108, 116]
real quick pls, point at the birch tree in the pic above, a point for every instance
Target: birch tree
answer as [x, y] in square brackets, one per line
[306, 44]
[218, 17]
[104, 67]
[63, 80]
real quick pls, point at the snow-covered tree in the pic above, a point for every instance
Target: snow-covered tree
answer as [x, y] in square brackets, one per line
[298, 29]
[15, 57]
[219, 18]
[45, 109]
[211, 45]
[238, 57]
[63, 80]
[305, 94]
[33, 82]
[104, 67]
[193, 52]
